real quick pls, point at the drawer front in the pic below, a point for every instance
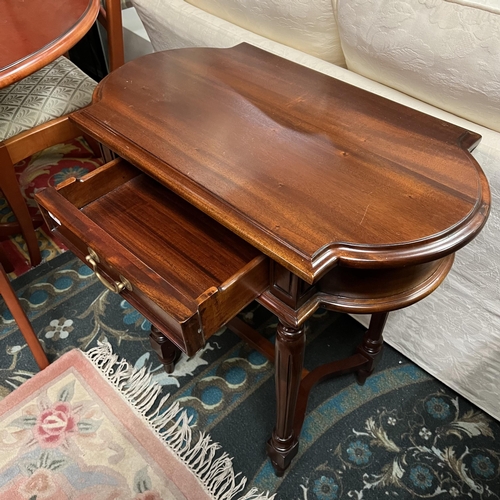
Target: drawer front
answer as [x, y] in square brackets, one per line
[187, 292]
[185, 332]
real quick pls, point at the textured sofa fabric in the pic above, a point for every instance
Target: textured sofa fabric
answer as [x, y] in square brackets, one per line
[455, 332]
[173, 24]
[441, 52]
[305, 25]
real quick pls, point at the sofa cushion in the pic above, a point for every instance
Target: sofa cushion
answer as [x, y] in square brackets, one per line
[444, 52]
[306, 25]
[175, 24]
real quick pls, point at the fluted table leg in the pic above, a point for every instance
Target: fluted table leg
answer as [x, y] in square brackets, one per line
[283, 445]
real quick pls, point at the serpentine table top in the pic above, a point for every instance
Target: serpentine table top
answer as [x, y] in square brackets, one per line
[312, 171]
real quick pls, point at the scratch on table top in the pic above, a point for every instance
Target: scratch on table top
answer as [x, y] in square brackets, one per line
[364, 215]
[297, 100]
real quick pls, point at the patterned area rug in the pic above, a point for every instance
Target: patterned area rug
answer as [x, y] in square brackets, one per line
[87, 428]
[402, 435]
[46, 168]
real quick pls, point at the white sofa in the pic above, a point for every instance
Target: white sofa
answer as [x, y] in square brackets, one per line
[135, 39]
[439, 56]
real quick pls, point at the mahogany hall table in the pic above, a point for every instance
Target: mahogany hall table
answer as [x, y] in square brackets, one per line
[245, 176]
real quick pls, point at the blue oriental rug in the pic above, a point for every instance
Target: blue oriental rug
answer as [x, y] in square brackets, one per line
[403, 435]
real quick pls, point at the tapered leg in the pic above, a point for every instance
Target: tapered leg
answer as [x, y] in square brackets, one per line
[4, 261]
[372, 345]
[12, 192]
[167, 352]
[22, 320]
[283, 445]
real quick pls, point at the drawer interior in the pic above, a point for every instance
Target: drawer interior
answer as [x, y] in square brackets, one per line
[187, 271]
[179, 242]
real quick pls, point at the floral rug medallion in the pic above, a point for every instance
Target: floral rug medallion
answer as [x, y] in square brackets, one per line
[89, 427]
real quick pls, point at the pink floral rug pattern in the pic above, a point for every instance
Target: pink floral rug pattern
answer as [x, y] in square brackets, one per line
[75, 432]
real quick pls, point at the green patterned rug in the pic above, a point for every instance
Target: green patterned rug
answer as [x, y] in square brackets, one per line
[402, 435]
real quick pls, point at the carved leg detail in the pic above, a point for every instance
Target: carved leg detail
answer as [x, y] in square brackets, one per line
[283, 445]
[372, 345]
[167, 352]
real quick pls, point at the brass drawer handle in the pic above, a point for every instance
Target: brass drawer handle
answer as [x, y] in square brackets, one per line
[117, 286]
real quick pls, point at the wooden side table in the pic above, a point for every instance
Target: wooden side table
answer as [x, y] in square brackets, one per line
[324, 196]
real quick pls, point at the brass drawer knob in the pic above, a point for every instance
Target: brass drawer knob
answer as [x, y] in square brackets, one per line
[116, 286]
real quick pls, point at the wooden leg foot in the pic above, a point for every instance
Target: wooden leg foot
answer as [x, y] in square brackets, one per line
[167, 352]
[371, 346]
[289, 352]
[281, 458]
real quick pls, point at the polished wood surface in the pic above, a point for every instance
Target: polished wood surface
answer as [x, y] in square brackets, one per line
[359, 203]
[34, 33]
[310, 170]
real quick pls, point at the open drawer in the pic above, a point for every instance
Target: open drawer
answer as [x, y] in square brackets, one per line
[182, 270]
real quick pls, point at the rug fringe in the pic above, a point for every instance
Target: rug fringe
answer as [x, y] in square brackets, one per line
[173, 426]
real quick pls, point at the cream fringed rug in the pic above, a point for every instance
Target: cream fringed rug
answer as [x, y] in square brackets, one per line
[89, 427]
